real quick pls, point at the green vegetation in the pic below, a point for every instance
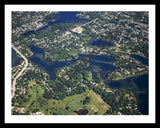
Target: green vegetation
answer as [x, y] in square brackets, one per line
[121, 101]
[67, 106]
[75, 90]
[36, 93]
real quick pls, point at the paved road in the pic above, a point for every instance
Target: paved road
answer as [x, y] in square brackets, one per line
[20, 73]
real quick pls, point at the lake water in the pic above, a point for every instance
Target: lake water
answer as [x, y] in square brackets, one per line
[67, 17]
[60, 17]
[100, 42]
[99, 65]
[143, 60]
[15, 59]
[50, 67]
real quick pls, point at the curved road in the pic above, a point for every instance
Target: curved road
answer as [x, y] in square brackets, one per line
[20, 73]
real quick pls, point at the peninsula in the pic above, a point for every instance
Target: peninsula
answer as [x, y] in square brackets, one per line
[70, 56]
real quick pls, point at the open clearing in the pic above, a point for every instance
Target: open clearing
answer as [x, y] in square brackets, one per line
[67, 106]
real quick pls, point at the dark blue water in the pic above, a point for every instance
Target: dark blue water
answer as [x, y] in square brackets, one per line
[115, 84]
[36, 49]
[104, 58]
[28, 33]
[67, 17]
[112, 22]
[50, 67]
[143, 60]
[100, 42]
[15, 59]
[99, 65]
[142, 81]
[102, 64]
[102, 67]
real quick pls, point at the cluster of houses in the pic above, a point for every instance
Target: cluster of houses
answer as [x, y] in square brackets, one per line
[29, 21]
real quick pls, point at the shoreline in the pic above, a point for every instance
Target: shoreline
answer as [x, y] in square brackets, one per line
[122, 78]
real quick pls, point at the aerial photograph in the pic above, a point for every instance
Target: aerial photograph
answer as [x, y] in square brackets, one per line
[80, 63]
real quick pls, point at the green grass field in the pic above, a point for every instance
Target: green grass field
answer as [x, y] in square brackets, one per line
[67, 106]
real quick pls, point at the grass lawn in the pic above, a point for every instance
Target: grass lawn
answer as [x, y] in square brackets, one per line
[95, 106]
[68, 105]
[36, 92]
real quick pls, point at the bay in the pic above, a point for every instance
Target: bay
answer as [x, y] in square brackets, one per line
[143, 60]
[51, 67]
[99, 65]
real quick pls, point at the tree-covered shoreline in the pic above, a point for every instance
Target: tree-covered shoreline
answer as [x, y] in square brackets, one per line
[128, 34]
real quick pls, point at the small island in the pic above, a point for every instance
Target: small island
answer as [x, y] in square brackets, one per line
[74, 61]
